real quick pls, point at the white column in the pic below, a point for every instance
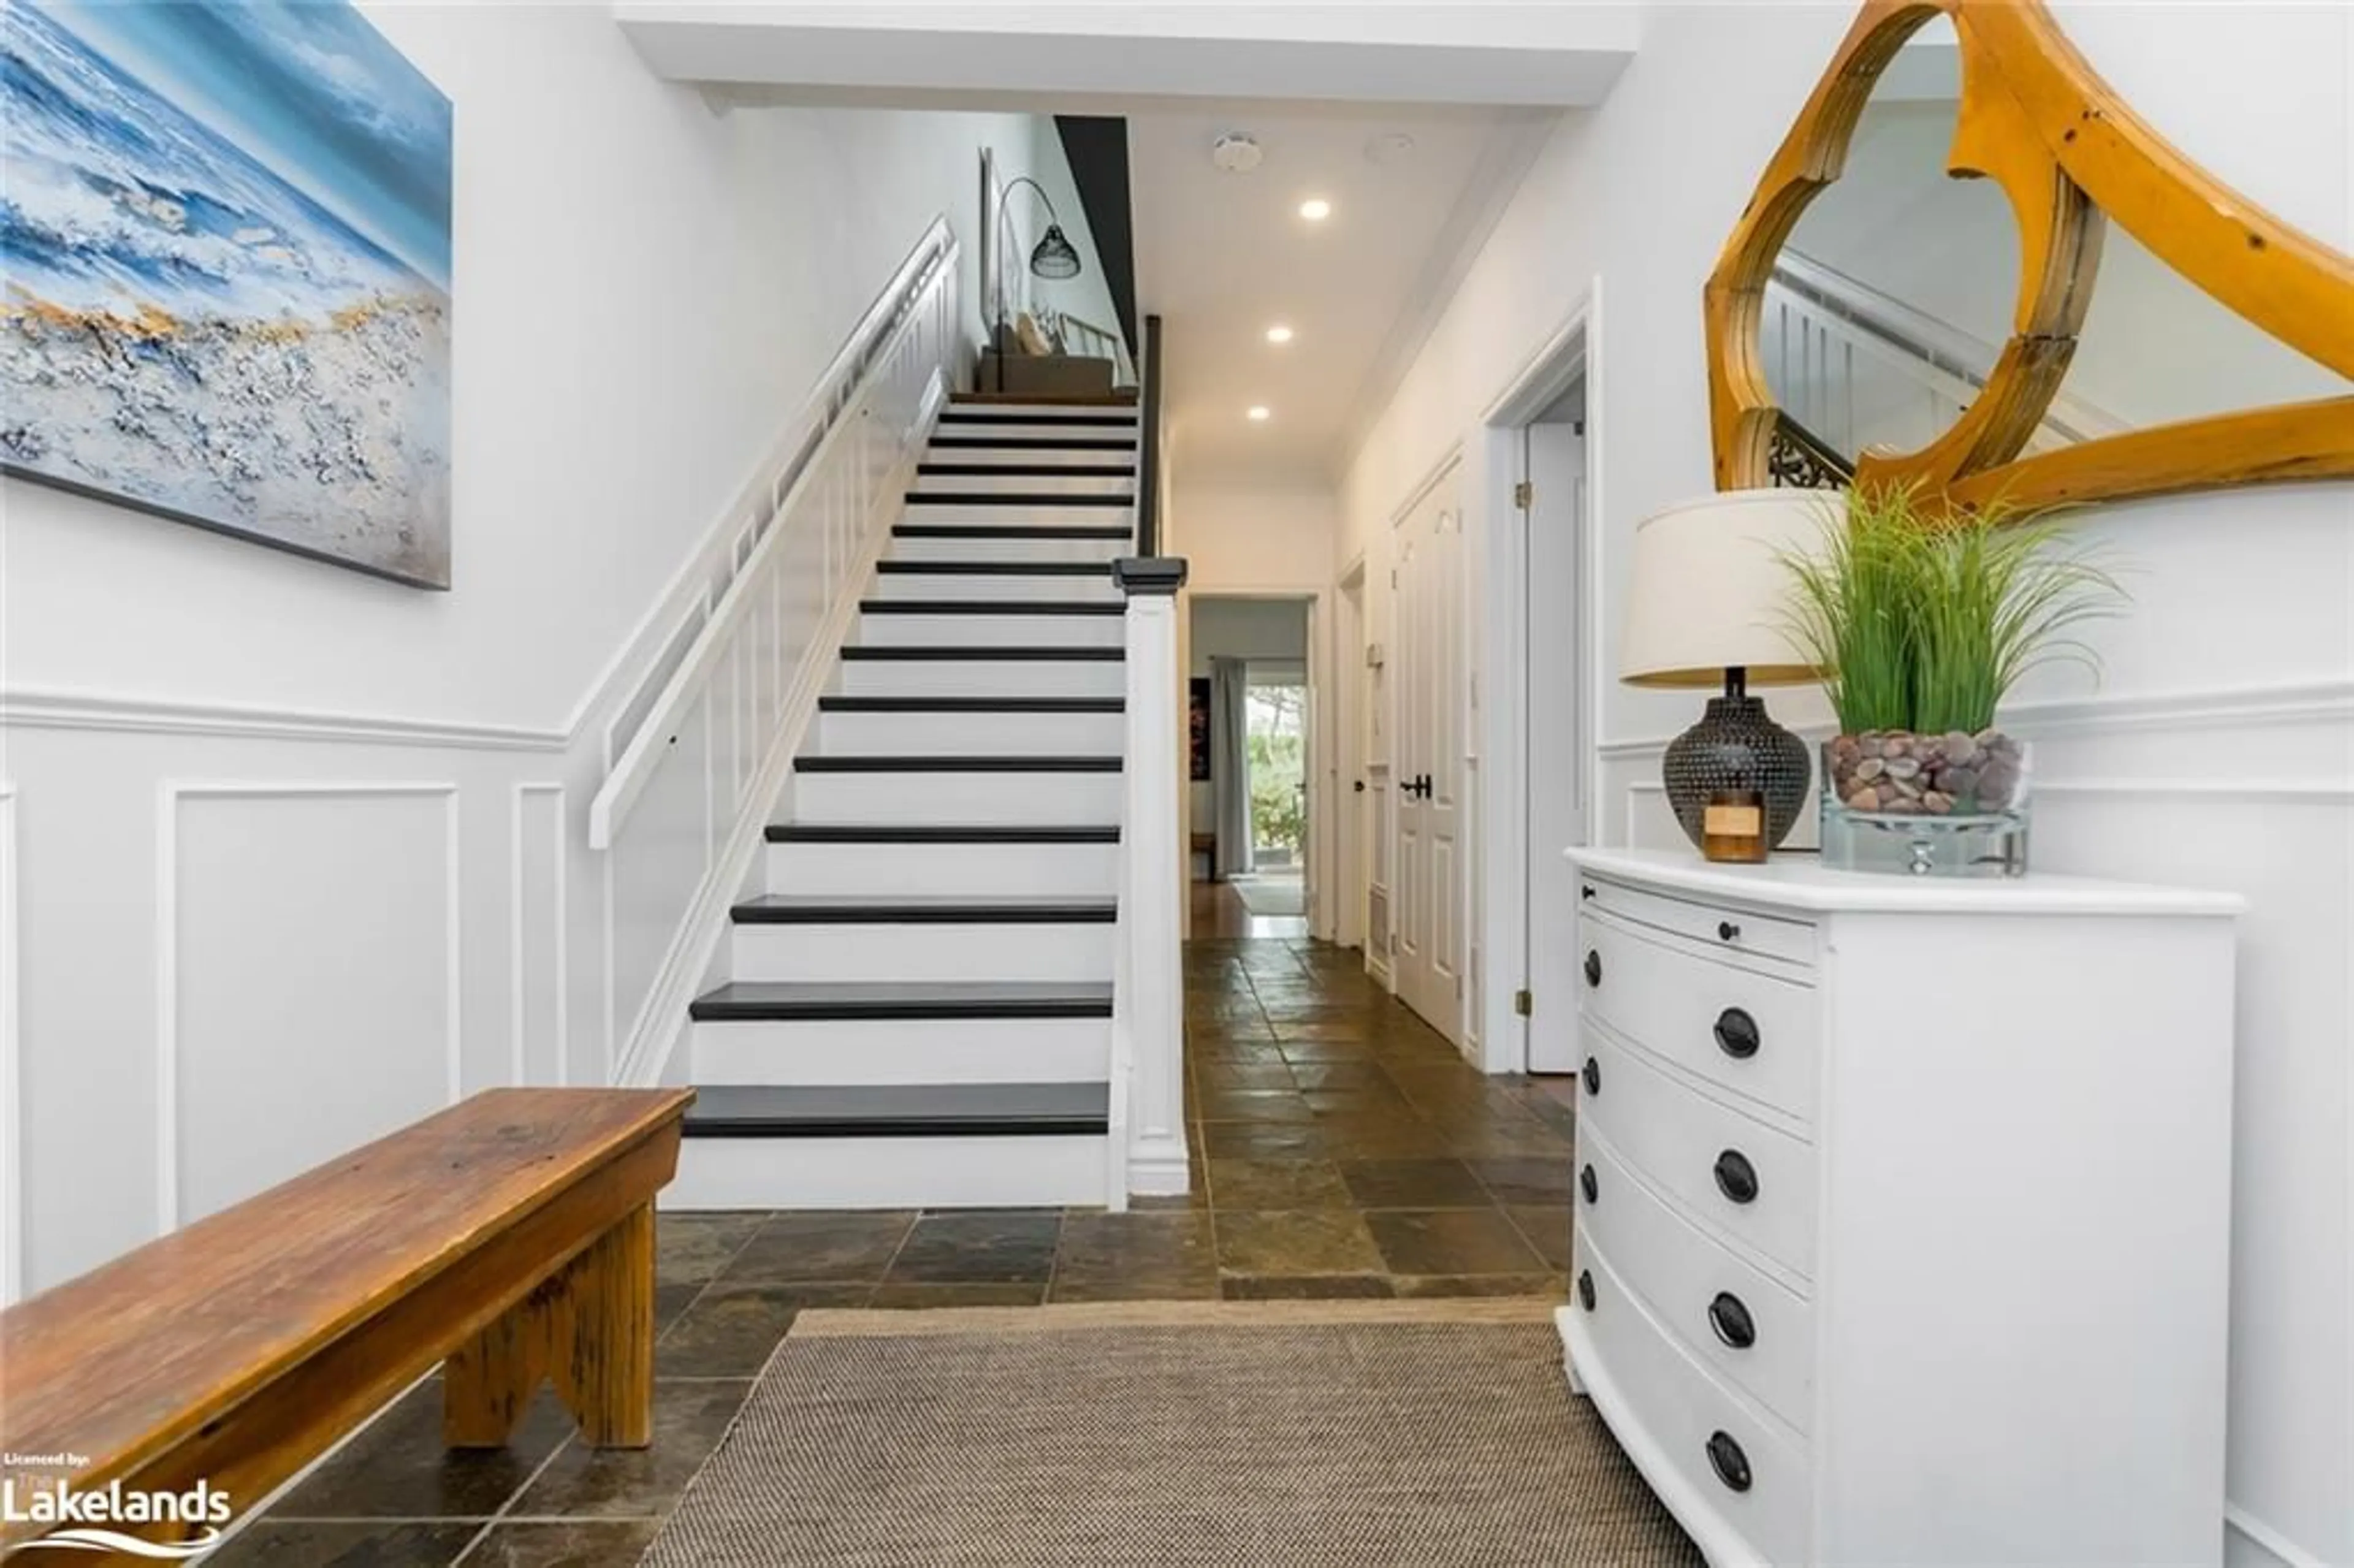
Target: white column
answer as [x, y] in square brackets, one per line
[1149, 1035]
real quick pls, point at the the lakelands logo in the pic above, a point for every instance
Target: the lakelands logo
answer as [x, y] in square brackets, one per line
[86, 1520]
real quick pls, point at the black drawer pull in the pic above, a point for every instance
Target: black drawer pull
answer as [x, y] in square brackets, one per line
[1593, 1074]
[1736, 1177]
[1585, 1288]
[1593, 967]
[1726, 931]
[1586, 890]
[1726, 1457]
[1731, 1322]
[1736, 1034]
[1589, 1185]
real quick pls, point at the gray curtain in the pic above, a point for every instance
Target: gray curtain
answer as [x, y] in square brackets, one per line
[1230, 767]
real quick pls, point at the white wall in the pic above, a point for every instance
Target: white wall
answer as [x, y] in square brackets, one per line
[297, 855]
[2218, 751]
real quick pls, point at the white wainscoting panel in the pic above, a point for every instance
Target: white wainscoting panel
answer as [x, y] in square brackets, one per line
[308, 976]
[538, 975]
[12, 1083]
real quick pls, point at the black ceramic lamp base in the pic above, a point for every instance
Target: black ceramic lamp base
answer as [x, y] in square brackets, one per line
[1736, 753]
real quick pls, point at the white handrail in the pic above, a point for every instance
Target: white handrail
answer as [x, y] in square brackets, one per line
[782, 482]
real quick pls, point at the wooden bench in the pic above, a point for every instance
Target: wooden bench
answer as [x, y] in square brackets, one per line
[512, 1234]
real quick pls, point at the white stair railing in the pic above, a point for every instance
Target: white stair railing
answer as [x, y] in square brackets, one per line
[1860, 369]
[688, 790]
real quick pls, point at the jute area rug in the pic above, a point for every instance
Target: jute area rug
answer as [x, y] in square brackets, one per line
[1348, 1433]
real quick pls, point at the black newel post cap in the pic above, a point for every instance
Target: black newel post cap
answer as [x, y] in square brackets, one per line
[1149, 573]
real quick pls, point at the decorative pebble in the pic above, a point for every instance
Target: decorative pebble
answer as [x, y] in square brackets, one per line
[1867, 798]
[1903, 766]
[1870, 769]
[1958, 748]
[1937, 803]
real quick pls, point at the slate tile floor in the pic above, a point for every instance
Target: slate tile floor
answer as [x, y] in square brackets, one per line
[1341, 1148]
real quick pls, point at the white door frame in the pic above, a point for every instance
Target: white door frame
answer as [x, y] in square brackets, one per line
[1572, 349]
[1320, 665]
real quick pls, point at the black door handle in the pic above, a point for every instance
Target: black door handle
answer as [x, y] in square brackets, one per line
[1593, 1075]
[1589, 1185]
[1726, 1457]
[1359, 786]
[1593, 967]
[1585, 1288]
[1729, 1316]
[1736, 1034]
[1736, 1177]
[1726, 931]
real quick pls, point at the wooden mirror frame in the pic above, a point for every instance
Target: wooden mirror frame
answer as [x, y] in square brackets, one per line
[2069, 155]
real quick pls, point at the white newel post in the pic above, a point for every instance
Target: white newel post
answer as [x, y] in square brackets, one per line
[1149, 1039]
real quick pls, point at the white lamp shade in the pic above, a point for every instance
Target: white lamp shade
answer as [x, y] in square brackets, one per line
[1711, 591]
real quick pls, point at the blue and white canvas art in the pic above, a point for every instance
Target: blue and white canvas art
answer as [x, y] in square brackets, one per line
[225, 249]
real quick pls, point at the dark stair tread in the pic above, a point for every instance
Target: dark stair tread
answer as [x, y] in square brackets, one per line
[991, 607]
[892, 652]
[786, 1000]
[996, 569]
[899, 1110]
[921, 909]
[1011, 531]
[881, 764]
[971, 834]
[1015, 498]
[1029, 470]
[846, 705]
[951, 442]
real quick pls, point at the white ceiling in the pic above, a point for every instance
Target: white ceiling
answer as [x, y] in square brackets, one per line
[1221, 257]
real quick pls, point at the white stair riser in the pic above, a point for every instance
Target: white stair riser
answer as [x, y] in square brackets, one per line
[878, 629]
[971, 735]
[825, 1052]
[979, 547]
[1110, 513]
[1123, 486]
[1052, 413]
[889, 1172]
[947, 800]
[1123, 456]
[985, 678]
[978, 871]
[1093, 587]
[923, 953]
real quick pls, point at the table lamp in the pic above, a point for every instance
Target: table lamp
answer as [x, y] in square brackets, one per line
[1706, 607]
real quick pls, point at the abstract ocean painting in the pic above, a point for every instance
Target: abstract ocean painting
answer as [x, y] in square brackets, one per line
[224, 272]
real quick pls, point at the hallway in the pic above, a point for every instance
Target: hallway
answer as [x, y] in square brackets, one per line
[1341, 1148]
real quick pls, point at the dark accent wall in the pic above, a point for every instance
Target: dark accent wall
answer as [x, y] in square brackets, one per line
[1096, 149]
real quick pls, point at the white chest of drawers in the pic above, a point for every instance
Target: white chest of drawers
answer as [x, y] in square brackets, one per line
[1902, 1225]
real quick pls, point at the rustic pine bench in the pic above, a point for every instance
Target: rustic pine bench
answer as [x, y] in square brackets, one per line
[512, 1236]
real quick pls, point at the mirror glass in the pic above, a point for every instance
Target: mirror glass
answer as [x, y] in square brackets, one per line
[1893, 297]
[2156, 348]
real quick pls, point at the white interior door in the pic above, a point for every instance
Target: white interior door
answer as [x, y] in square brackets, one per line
[1429, 758]
[1556, 683]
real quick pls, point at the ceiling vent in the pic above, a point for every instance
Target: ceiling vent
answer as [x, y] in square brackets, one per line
[1235, 154]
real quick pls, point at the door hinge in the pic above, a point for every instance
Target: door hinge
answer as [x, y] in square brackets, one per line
[1524, 495]
[1524, 1003]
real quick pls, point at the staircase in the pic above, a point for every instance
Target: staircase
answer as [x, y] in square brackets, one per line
[921, 1006]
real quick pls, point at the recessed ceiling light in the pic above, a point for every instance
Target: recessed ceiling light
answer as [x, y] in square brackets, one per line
[1259, 411]
[1278, 334]
[1316, 209]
